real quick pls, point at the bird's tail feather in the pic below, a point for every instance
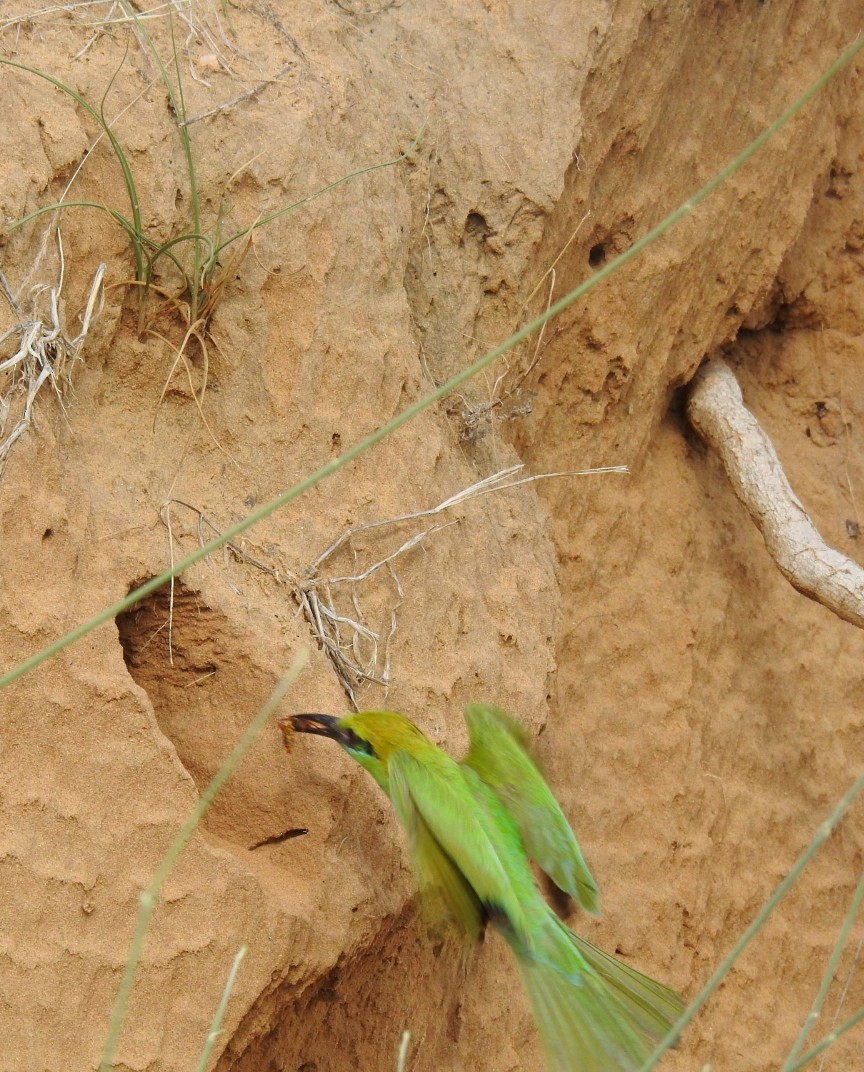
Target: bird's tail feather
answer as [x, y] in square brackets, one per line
[651, 1007]
[591, 1016]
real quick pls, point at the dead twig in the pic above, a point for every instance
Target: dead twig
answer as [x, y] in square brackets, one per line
[356, 650]
[356, 657]
[475, 418]
[716, 409]
[249, 94]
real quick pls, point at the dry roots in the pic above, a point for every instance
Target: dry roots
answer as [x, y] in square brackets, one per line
[717, 411]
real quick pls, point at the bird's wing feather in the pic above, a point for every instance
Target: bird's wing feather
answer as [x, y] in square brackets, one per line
[498, 753]
[463, 830]
[447, 895]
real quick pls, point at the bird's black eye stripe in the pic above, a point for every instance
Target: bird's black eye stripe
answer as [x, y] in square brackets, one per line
[357, 743]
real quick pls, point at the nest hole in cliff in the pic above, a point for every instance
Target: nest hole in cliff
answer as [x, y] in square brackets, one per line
[196, 672]
[167, 633]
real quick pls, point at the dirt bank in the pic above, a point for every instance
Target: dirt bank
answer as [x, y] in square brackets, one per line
[698, 718]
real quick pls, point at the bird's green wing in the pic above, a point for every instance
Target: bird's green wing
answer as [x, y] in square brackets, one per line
[435, 804]
[498, 753]
[446, 892]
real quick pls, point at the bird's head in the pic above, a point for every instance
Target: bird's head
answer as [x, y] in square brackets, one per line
[370, 737]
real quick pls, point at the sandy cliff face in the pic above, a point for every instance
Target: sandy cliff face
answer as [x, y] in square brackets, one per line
[697, 717]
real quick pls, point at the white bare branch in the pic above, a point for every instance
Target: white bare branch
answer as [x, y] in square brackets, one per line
[717, 411]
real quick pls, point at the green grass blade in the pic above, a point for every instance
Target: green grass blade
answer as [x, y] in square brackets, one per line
[445, 389]
[312, 197]
[819, 839]
[127, 173]
[178, 107]
[829, 1040]
[128, 179]
[147, 899]
[140, 242]
[197, 240]
[127, 226]
[827, 978]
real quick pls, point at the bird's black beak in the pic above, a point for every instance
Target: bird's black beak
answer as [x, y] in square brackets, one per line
[324, 725]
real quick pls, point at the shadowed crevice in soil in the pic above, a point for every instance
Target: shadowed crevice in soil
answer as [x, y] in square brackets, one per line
[359, 1007]
[167, 648]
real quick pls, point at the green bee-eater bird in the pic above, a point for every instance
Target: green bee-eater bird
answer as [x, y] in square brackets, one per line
[471, 828]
